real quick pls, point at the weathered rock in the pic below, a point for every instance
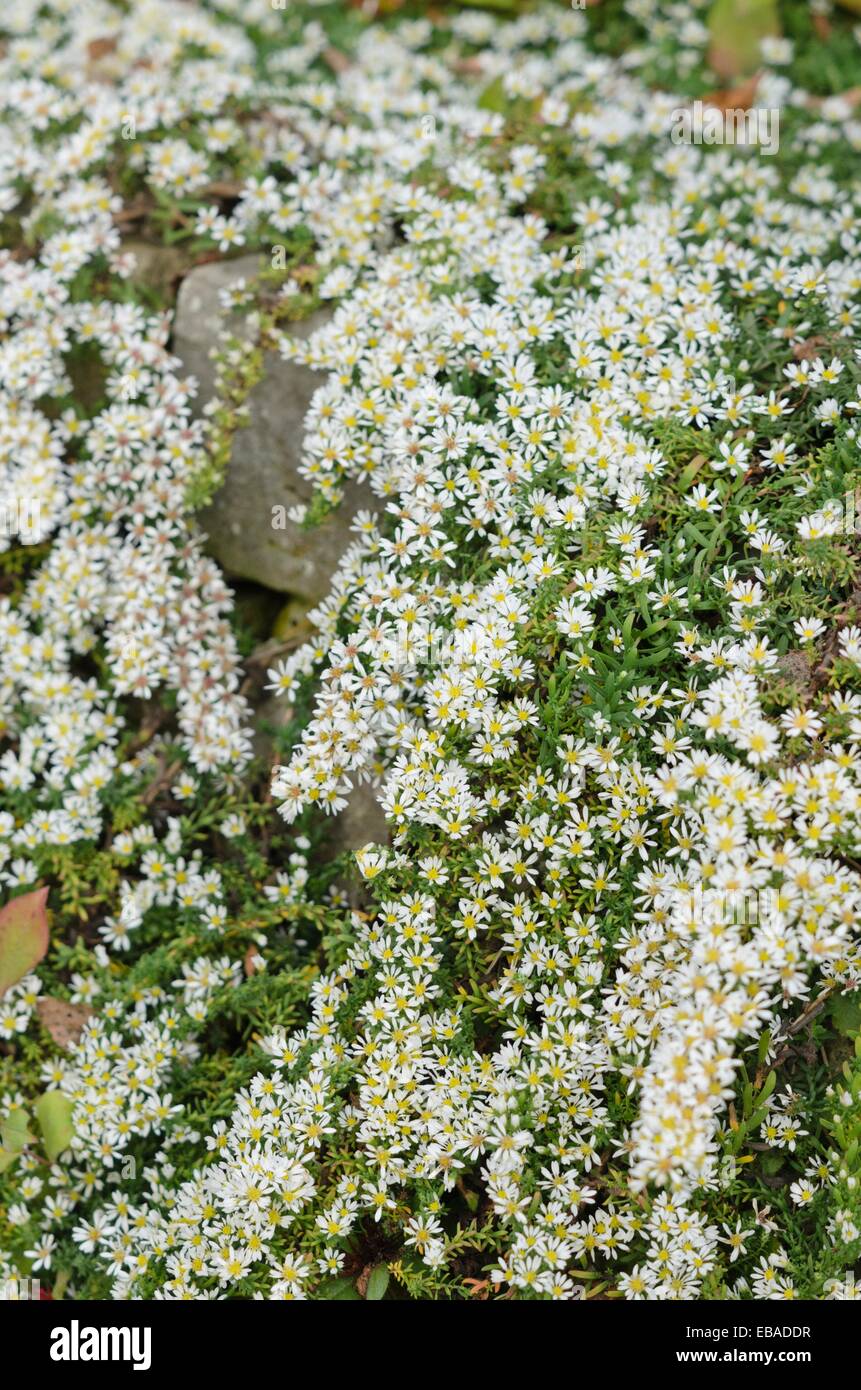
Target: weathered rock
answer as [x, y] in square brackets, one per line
[361, 822]
[291, 622]
[262, 473]
[157, 267]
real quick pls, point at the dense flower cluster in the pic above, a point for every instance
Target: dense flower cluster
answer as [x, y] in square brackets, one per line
[580, 646]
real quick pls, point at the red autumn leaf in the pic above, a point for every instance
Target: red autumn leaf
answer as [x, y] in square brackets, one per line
[23, 936]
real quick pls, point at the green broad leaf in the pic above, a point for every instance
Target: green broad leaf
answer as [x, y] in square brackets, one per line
[15, 1130]
[339, 1291]
[54, 1113]
[23, 936]
[378, 1282]
[14, 1137]
[845, 1013]
[736, 30]
[493, 97]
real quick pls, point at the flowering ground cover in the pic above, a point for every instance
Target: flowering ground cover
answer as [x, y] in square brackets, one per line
[585, 1024]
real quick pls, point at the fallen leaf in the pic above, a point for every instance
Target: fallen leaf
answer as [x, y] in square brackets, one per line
[99, 48]
[796, 666]
[54, 1113]
[809, 348]
[23, 936]
[336, 60]
[65, 1022]
[735, 98]
[221, 189]
[851, 96]
[736, 30]
[470, 67]
[378, 1282]
[14, 1137]
[371, 8]
[478, 1288]
[101, 63]
[846, 1013]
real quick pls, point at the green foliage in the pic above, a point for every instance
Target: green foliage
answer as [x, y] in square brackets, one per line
[54, 1115]
[302, 941]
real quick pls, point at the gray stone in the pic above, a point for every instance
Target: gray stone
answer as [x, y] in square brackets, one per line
[262, 473]
[157, 267]
[361, 822]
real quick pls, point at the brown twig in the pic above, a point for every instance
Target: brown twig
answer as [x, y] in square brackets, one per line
[162, 779]
[807, 1015]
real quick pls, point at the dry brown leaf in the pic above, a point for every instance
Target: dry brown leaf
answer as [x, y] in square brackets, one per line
[852, 96]
[470, 67]
[809, 348]
[735, 98]
[736, 31]
[221, 189]
[100, 48]
[478, 1288]
[337, 61]
[372, 8]
[65, 1022]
